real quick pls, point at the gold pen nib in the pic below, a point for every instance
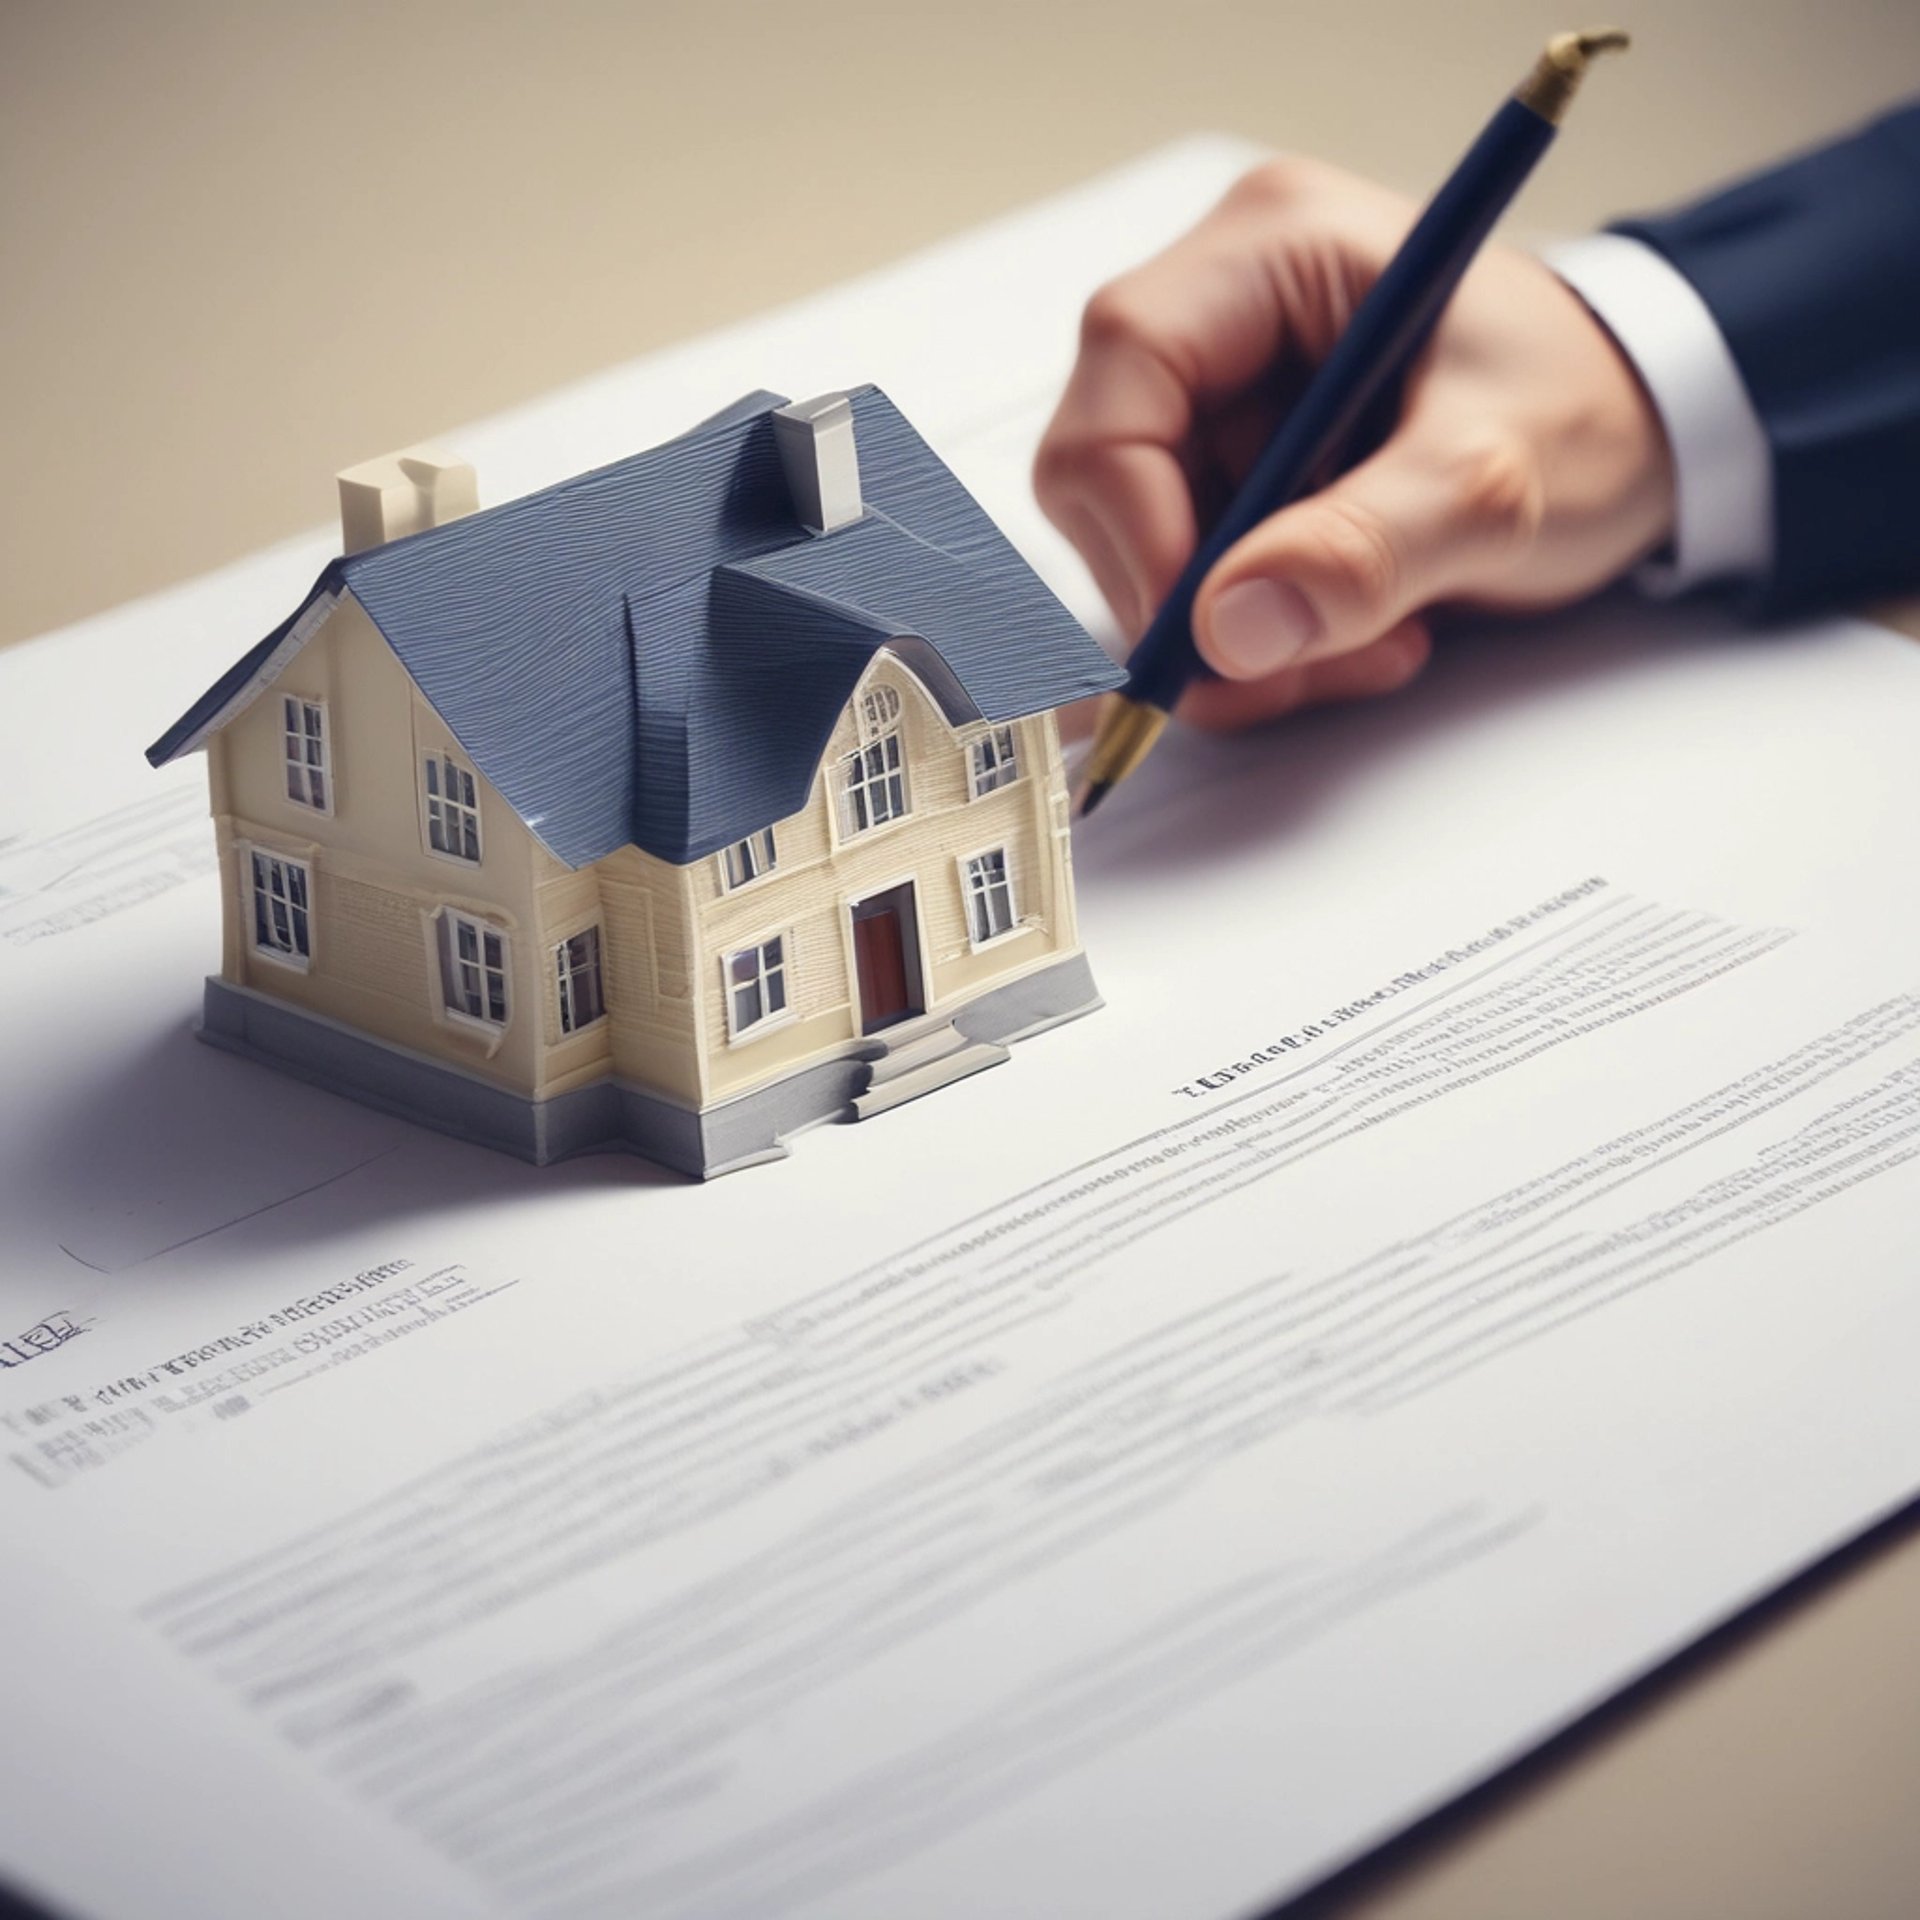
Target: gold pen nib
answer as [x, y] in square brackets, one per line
[1557, 74]
[1128, 729]
[1090, 797]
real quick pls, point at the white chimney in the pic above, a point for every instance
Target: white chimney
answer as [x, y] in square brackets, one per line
[402, 493]
[821, 462]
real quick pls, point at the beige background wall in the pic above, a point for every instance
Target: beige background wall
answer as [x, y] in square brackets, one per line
[243, 246]
[246, 245]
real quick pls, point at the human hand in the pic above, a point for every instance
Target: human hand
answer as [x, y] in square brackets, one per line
[1528, 466]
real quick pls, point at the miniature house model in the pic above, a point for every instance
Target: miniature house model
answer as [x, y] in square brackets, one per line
[679, 806]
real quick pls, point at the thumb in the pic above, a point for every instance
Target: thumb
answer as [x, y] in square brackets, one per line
[1334, 572]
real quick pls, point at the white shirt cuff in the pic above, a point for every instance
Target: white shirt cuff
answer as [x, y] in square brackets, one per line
[1723, 471]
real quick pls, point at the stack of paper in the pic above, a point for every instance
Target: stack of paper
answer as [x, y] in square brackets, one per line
[1468, 1258]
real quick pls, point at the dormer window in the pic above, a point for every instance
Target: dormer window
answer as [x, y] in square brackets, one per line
[748, 859]
[995, 764]
[876, 786]
[873, 787]
[453, 808]
[304, 734]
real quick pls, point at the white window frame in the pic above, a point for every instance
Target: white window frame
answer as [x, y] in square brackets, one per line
[567, 976]
[301, 768]
[873, 767]
[448, 923]
[257, 876]
[974, 889]
[993, 762]
[736, 1033]
[440, 808]
[758, 856]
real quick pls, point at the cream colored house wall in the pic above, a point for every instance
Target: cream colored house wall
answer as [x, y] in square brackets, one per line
[643, 908]
[377, 885]
[665, 932]
[821, 874]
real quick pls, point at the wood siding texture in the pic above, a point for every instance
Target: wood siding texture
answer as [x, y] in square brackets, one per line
[665, 931]
[823, 871]
[377, 886]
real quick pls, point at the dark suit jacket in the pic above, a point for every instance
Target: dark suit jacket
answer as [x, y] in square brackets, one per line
[1813, 272]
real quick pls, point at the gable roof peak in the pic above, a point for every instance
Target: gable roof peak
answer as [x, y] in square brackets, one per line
[655, 652]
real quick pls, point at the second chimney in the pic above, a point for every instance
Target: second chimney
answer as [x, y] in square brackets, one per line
[821, 462]
[402, 493]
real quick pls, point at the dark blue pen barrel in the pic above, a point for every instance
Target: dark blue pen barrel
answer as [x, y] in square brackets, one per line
[1380, 343]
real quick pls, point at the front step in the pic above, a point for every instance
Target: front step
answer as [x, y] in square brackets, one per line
[946, 1066]
[917, 1046]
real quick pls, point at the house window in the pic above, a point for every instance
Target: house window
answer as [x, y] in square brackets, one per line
[989, 896]
[453, 808]
[577, 960]
[304, 728]
[281, 891]
[995, 764]
[875, 789]
[473, 967]
[873, 783]
[756, 985]
[748, 859]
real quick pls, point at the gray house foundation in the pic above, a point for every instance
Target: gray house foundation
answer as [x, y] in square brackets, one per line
[871, 1077]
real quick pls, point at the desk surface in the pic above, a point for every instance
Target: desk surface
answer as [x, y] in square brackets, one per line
[251, 245]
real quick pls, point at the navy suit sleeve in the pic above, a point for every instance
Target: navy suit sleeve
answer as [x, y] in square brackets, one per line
[1813, 273]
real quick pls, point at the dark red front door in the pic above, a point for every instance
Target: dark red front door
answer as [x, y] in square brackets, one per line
[882, 958]
[887, 993]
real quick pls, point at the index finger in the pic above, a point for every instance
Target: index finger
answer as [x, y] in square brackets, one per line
[1208, 318]
[1111, 471]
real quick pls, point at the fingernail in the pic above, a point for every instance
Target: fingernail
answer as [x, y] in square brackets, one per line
[1260, 626]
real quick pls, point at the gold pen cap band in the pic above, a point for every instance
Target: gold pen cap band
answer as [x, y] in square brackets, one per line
[1128, 730]
[1557, 74]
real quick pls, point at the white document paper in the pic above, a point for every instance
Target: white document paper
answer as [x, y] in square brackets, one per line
[1469, 1257]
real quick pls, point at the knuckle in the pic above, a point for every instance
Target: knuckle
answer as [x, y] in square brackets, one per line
[1112, 316]
[1402, 659]
[1278, 182]
[1057, 468]
[1499, 491]
[1356, 552]
[1287, 182]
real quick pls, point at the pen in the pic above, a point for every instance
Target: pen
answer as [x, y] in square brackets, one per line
[1386, 333]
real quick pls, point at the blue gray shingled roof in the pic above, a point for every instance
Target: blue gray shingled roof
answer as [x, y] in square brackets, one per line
[656, 652]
